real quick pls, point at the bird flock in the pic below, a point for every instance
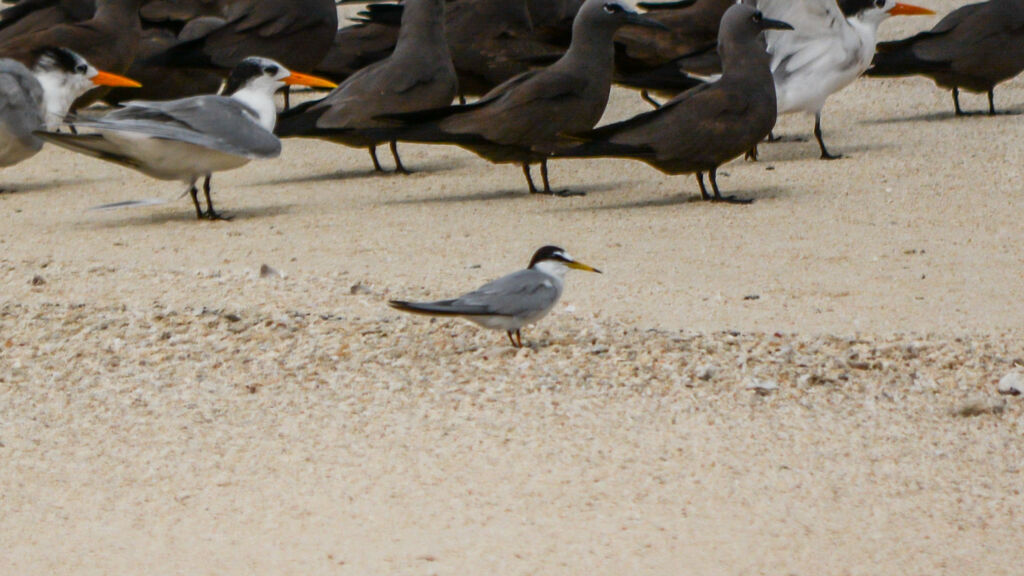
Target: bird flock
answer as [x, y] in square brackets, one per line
[188, 86]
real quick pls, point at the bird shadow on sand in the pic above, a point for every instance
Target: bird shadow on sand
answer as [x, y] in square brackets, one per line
[512, 193]
[775, 153]
[944, 116]
[343, 175]
[37, 186]
[186, 214]
[744, 198]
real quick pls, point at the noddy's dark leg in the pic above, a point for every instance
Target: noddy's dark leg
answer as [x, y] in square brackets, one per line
[956, 102]
[519, 339]
[510, 338]
[287, 97]
[529, 179]
[751, 154]
[210, 212]
[398, 161]
[649, 99]
[772, 137]
[373, 156]
[991, 102]
[547, 184]
[195, 200]
[703, 191]
[825, 155]
[713, 176]
[462, 99]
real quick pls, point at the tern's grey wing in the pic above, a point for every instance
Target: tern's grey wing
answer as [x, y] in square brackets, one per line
[521, 293]
[20, 98]
[215, 122]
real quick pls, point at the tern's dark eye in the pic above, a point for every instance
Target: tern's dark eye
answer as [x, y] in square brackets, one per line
[272, 70]
[81, 69]
[613, 8]
[757, 17]
[879, 3]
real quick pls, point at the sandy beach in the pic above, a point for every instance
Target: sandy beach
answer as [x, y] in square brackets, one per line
[167, 409]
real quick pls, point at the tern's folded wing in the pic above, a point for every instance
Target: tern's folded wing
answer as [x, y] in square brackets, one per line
[215, 122]
[521, 293]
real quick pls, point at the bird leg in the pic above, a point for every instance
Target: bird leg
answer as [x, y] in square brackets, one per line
[703, 191]
[287, 97]
[373, 156]
[991, 102]
[512, 340]
[713, 176]
[519, 338]
[547, 184]
[825, 155]
[649, 99]
[195, 200]
[399, 169]
[211, 214]
[751, 154]
[529, 179]
[956, 102]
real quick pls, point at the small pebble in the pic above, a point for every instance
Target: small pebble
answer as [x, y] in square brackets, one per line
[1012, 384]
[38, 280]
[359, 288]
[268, 272]
[763, 387]
[705, 372]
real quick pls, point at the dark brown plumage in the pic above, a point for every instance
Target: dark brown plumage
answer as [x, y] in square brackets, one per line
[519, 121]
[417, 76]
[108, 38]
[974, 47]
[701, 129]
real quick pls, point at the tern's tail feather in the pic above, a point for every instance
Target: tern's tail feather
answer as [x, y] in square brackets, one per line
[898, 59]
[93, 145]
[439, 308]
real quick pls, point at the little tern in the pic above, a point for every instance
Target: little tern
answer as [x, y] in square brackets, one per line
[831, 45]
[510, 302]
[973, 47]
[40, 98]
[191, 138]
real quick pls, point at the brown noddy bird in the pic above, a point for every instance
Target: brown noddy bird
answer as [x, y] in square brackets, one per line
[973, 47]
[658, 60]
[519, 121]
[370, 39]
[417, 76]
[702, 128]
[490, 41]
[296, 33]
[108, 39]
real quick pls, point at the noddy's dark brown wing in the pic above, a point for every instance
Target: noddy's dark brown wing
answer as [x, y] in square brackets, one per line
[296, 33]
[975, 47]
[108, 40]
[692, 34]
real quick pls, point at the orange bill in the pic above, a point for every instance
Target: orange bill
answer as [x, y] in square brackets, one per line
[901, 9]
[107, 79]
[307, 80]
